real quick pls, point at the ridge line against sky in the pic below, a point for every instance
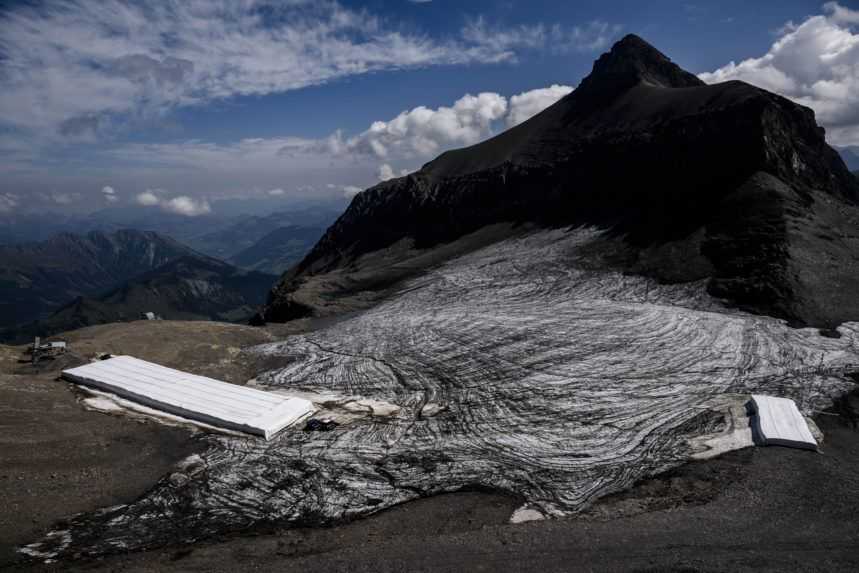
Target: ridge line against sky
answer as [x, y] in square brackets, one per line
[105, 95]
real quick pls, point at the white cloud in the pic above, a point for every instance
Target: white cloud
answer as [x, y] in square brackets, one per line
[350, 191]
[815, 63]
[528, 104]
[180, 205]
[591, 37]
[276, 192]
[386, 172]
[8, 202]
[78, 67]
[423, 131]
[188, 206]
[148, 198]
[109, 194]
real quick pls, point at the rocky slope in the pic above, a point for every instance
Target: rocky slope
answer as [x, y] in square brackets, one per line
[191, 287]
[725, 182]
[37, 278]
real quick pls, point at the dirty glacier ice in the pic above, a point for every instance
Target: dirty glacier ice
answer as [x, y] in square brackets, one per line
[511, 369]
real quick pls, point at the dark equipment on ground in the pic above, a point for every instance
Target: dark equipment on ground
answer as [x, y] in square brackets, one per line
[317, 425]
[46, 350]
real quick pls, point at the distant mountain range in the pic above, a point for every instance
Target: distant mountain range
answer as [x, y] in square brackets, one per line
[228, 241]
[278, 250]
[37, 278]
[724, 183]
[192, 287]
[71, 281]
[850, 155]
[230, 228]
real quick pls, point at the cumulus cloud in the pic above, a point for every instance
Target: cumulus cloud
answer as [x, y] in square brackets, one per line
[180, 205]
[276, 192]
[109, 193]
[815, 63]
[350, 191]
[386, 172]
[107, 60]
[528, 104]
[424, 132]
[148, 198]
[187, 206]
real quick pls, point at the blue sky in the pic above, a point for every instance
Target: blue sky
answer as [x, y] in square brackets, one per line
[700, 37]
[176, 104]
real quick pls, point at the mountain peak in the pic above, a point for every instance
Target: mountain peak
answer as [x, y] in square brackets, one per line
[632, 61]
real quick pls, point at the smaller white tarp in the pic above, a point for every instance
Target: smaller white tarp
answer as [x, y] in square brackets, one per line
[778, 422]
[194, 397]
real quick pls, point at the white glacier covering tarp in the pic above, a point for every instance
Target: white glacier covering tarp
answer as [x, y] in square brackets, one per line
[194, 397]
[780, 423]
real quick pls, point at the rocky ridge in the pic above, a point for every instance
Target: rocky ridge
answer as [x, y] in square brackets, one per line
[725, 182]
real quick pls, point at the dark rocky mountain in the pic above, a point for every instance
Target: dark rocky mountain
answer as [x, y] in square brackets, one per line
[191, 287]
[37, 278]
[278, 250]
[726, 182]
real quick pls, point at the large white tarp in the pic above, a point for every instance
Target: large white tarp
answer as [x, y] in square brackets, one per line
[779, 422]
[194, 397]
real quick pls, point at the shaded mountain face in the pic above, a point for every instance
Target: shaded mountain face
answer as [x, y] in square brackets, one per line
[37, 278]
[278, 250]
[191, 287]
[725, 182]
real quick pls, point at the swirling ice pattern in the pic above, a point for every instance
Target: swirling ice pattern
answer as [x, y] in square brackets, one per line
[556, 384]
